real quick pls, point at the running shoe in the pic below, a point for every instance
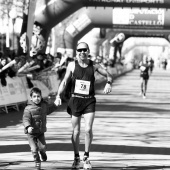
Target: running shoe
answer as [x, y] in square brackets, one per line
[144, 96]
[43, 156]
[76, 163]
[140, 94]
[38, 165]
[87, 164]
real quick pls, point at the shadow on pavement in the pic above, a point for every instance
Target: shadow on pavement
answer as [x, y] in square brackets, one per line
[14, 118]
[129, 106]
[94, 148]
[56, 165]
[146, 168]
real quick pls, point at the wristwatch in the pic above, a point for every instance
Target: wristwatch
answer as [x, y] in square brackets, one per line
[109, 82]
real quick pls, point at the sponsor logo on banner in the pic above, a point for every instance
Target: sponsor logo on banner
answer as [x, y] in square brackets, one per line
[139, 17]
[78, 25]
[126, 1]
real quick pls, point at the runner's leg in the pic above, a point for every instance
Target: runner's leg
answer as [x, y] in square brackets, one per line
[142, 82]
[76, 121]
[89, 118]
[145, 85]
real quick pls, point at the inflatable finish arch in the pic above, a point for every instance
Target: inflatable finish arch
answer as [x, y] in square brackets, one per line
[129, 45]
[103, 17]
[50, 12]
[111, 35]
[135, 33]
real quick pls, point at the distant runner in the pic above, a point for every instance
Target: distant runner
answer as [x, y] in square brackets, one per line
[144, 74]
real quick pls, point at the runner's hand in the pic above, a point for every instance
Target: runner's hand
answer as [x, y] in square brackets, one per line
[55, 68]
[57, 65]
[30, 129]
[57, 101]
[107, 89]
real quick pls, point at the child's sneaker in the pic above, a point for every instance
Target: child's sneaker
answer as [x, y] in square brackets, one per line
[76, 163]
[43, 156]
[86, 162]
[37, 160]
[38, 165]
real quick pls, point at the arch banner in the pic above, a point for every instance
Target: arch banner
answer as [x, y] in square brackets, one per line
[128, 3]
[144, 17]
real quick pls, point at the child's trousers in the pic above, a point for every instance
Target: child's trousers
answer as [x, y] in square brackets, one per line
[37, 142]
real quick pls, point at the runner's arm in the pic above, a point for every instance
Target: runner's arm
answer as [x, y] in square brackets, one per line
[66, 79]
[103, 72]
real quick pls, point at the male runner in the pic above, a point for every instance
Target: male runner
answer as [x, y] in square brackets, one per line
[144, 74]
[82, 101]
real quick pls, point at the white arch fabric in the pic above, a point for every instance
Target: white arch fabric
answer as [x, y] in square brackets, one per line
[132, 42]
[91, 17]
[100, 13]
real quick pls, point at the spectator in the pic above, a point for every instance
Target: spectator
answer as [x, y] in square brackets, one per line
[151, 65]
[57, 57]
[3, 73]
[1, 55]
[164, 63]
[20, 61]
[48, 60]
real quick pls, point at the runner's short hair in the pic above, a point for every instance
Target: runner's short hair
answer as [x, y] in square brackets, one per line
[83, 43]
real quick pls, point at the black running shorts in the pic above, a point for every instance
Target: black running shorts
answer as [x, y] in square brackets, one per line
[78, 106]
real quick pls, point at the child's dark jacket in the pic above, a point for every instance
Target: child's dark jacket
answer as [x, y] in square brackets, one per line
[35, 116]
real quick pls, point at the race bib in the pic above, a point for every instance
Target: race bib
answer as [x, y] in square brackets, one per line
[82, 87]
[142, 68]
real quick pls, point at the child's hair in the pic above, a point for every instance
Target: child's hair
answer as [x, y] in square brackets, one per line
[35, 90]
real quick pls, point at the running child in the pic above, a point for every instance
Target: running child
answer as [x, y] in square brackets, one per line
[34, 121]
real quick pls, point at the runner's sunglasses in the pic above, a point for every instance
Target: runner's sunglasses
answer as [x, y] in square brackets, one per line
[82, 49]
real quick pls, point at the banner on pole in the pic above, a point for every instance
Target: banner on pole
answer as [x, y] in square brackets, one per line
[27, 27]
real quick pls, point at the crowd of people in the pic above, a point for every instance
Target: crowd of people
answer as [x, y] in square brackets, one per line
[4, 60]
[30, 66]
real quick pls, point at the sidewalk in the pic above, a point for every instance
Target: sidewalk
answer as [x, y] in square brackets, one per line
[129, 132]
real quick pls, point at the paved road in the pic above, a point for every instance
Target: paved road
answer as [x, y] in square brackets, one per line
[129, 132]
